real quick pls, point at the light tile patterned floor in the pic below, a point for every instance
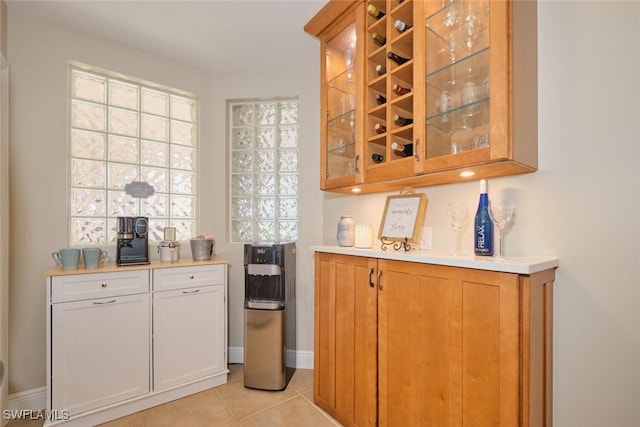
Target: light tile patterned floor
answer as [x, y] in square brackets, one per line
[231, 405]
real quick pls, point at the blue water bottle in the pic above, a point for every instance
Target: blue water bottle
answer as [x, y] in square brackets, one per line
[483, 237]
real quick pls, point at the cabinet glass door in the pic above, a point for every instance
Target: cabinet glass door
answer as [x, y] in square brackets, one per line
[457, 93]
[341, 104]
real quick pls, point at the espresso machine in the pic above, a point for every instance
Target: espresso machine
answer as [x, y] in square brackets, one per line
[133, 240]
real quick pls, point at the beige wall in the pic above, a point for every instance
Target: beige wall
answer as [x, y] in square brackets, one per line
[589, 150]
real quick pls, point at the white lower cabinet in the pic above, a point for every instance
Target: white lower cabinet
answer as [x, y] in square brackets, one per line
[125, 340]
[100, 352]
[188, 325]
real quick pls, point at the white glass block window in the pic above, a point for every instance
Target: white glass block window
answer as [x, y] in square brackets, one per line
[122, 130]
[264, 170]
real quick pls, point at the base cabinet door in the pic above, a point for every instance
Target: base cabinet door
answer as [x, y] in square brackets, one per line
[188, 335]
[100, 352]
[455, 347]
[345, 338]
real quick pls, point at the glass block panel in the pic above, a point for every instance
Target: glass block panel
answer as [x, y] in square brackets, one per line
[288, 113]
[266, 161]
[155, 102]
[182, 133]
[112, 230]
[123, 122]
[242, 185]
[183, 108]
[242, 115]
[241, 231]
[156, 229]
[88, 202]
[183, 157]
[242, 207]
[288, 231]
[266, 114]
[90, 145]
[88, 86]
[185, 229]
[288, 136]
[120, 175]
[288, 208]
[241, 161]
[89, 230]
[288, 161]
[265, 184]
[288, 184]
[88, 173]
[123, 94]
[123, 149]
[266, 137]
[267, 231]
[183, 206]
[158, 177]
[182, 182]
[242, 138]
[155, 206]
[154, 153]
[266, 207]
[121, 204]
[154, 127]
[86, 115]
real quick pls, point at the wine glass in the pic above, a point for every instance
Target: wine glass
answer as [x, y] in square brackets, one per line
[500, 212]
[457, 213]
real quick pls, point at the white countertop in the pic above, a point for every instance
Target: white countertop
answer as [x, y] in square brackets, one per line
[519, 265]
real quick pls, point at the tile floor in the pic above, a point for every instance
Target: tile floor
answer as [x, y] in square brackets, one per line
[232, 405]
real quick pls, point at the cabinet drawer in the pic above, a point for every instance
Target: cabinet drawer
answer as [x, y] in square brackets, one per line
[86, 286]
[165, 279]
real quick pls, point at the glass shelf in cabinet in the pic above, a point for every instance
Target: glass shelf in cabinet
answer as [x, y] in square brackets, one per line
[440, 73]
[343, 81]
[344, 121]
[446, 121]
[346, 150]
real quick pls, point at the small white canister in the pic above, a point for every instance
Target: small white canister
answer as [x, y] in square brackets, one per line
[169, 250]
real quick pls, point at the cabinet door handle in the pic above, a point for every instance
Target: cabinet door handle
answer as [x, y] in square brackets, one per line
[416, 154]
[104, 302]
[355, 163]
[191, 277]
[371, 277]
[191, 292]
[379, 276]
[104, 285]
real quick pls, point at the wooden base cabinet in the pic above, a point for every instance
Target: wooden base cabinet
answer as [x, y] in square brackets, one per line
[454, 346]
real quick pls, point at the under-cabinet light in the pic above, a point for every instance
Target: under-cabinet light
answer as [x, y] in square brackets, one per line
[467, 174]
[356, 190]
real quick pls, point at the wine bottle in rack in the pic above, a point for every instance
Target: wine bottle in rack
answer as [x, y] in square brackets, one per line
[380, 99]
[379, 128]
[381, 69]
[377, 158]
[402, 121]
[397, 58]
[401, 90]
[401, 26]
[380, 40]
[375, 12]
[405, 150]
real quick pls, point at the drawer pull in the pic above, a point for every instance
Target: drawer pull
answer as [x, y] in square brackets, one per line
[104, 302]
[191, 292]
[104, 285]
[191, 277]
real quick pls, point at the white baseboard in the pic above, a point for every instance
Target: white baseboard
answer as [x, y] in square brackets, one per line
[297, 359]
[34, 399]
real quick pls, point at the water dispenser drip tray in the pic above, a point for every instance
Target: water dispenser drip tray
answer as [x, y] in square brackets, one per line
[265, 304]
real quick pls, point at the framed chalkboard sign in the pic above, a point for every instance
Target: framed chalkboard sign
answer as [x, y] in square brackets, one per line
[402, 217]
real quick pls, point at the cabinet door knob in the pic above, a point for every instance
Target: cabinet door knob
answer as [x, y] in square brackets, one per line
[104, 285]
[191, 277]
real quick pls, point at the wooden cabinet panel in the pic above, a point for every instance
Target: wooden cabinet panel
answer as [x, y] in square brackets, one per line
[345, 338]
[455, 346]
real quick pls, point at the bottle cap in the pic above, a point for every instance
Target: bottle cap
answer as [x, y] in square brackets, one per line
[483, 186]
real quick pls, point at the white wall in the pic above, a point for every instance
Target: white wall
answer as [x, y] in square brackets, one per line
[588, 147]
[583, 206]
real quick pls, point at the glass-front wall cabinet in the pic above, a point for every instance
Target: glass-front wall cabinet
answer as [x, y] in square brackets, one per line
[436, 91]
